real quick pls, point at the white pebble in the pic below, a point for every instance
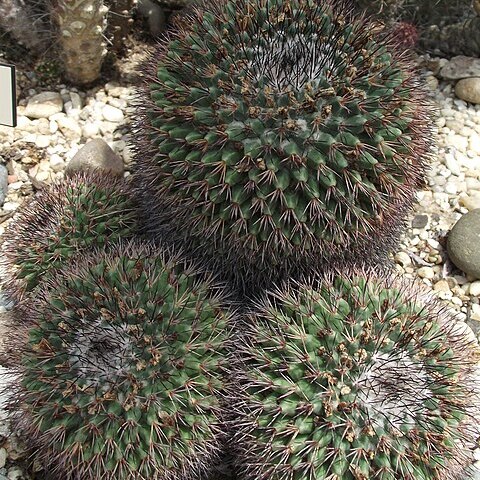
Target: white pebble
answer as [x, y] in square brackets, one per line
[452, 164]
[10, 206]
[112, 114]
[403, 259]
[42, 141]
[474, 289]
[57, 163]
[90, 130]
[426, 272]
[16, 185]
[53, 126]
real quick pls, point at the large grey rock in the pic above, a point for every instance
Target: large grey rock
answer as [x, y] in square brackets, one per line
[96, 154]
[468, 89]
[463, 244]
[44, 105]
[460, 67]
[154, 14]
[3, 183]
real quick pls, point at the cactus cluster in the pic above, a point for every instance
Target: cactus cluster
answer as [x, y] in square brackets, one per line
[279, 133]
[355, 377]
[279, 144]
[122, 367]
[78, 213]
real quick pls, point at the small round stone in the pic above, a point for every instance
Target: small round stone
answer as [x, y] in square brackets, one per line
[464, 244]
[403, 259]
[468, 89]
[474, 289]
[426, 272]
[44, 105]
[112, 114]
[442, 286]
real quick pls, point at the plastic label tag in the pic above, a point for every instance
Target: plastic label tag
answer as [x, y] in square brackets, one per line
[8, 96]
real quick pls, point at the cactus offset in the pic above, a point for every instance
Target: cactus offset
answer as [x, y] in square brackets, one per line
[87, 210]
[354, 378]
[277, 134]
[120, 373]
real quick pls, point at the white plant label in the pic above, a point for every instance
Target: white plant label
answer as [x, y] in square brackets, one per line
[8, 98]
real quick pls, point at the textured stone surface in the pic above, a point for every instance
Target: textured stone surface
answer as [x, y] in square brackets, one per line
[44, 105]
[460, 67]
[468, 89]
[96, 154]
[464, 243]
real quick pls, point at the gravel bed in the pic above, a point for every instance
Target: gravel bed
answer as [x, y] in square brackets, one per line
[39, 149]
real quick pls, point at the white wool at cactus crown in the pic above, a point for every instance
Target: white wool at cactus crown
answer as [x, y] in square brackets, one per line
[8, 108]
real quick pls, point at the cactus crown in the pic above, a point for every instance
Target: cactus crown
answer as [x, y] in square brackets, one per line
[124, 360]
[278, 128]
[87, 210]
[352, 380]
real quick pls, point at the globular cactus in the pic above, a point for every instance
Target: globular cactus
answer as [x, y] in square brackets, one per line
[405, 34]
[277, 134]
[358, 377]
[60, 223]
[80, 25]
[119, 376]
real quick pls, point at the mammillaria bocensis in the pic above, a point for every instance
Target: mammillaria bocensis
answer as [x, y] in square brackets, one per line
[275, 134]
[355, 378]
[84, 211]
[120, 373]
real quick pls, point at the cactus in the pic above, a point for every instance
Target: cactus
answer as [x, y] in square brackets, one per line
[84, 211]
[358, 377]
[120, 22]
[278, 134]
[26, 24]
[118, 379]
[80, 25]
[405, 34]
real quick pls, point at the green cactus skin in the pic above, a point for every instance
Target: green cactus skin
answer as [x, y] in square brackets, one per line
[119, 376]
[355, 378]
[277, 134]
[85, 211]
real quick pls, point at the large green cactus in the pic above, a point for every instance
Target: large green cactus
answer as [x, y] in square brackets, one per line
[357, 377]
[119, 376]
[277, 134]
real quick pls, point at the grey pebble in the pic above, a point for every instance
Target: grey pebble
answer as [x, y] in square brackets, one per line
[420, 221]
[96, 154]
[460, 67]
[44, 105]
[3, 183]
[464, 243]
